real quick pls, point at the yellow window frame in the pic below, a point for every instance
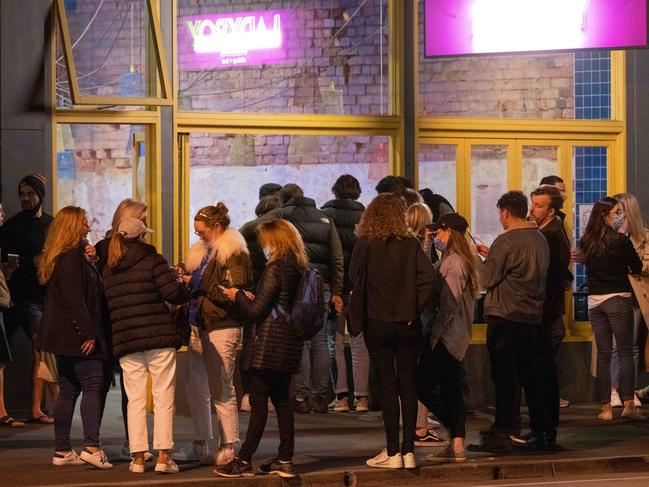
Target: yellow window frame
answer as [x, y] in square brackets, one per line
[162, 83]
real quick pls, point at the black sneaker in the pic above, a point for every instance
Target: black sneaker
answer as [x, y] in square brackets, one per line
[277, 467]
[493, 443]
[430, 438]
[301, 407]
[321, 405]
[236, 468]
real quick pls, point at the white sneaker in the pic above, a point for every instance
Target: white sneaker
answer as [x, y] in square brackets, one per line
[616, 402]
[168, 467]
[409, 460]
[98, 459]
[224, 455]
[125, 453]
[383, 460]
[245, 403]
[136, 467]
[636, 401]
[70, 458]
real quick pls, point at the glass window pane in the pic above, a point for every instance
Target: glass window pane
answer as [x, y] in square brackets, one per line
[538, 162]
[524, 86]
[112, 50]
[589, 185]
[285, 56]
[489, 179]
[438, 170]
[97, 167]
[230, 168]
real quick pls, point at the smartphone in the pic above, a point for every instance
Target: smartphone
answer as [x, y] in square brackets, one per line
[12, 260]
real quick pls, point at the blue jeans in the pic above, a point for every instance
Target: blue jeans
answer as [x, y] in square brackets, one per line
[78, 375]
[317, 349]
[614, 318]
[615, 359]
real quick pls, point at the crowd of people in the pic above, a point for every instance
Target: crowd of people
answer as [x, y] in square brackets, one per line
[400, 277]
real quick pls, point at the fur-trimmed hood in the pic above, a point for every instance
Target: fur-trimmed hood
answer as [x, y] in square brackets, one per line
[230, 242]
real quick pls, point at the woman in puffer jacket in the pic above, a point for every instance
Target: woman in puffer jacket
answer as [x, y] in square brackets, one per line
[275, 351]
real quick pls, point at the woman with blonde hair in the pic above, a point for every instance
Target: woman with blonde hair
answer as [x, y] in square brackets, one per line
[217, 261]
[393, 285]
[439, 381]
[127, 208]
[636, 229]
[139, 284]
[75, 329]
[275, 351]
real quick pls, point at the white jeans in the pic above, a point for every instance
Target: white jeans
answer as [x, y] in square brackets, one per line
[212, 359]
[161, 364]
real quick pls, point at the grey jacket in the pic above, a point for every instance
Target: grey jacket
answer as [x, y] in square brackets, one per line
[514, 275]
[452, 325]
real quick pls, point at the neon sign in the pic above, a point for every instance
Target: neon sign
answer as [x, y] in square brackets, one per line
[233, 39]
[461, 27]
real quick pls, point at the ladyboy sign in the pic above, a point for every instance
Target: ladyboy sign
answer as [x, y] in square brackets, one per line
[233, 39]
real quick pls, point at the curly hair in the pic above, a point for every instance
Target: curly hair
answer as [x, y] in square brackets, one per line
[384, 217]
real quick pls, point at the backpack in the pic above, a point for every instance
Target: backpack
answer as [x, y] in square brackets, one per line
[307, 316]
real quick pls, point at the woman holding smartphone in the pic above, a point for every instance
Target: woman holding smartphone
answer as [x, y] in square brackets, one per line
[75, 328]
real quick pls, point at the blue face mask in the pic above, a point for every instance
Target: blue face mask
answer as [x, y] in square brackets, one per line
[439, 245]
[618, 222]
[267, 253]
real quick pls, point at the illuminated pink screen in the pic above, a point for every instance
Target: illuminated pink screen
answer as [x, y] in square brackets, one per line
[233, 39]
[457, 27]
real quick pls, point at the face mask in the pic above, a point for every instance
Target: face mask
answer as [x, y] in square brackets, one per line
[267, 253]
[618, 222]
[439, 245]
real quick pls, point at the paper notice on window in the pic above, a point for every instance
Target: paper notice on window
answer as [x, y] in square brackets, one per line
[486, 224]
[584, 212]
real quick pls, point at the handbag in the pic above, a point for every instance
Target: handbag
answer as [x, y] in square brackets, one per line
[357, 308]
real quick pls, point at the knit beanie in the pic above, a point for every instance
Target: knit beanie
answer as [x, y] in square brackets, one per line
[37, 182]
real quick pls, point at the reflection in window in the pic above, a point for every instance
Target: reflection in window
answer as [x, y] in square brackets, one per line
[109, 46]
[230, 168]
[538, 162]
[285, 56]
[488, 183]
[97, 167]
[438, 170]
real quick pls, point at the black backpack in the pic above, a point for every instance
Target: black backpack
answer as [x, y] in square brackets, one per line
[307, 316]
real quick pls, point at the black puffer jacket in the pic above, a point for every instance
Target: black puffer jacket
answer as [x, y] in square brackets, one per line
[320, 239]
[346, 214]
[137, 289]
[273, 345]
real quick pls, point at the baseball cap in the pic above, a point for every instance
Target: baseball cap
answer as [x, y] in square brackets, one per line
[454, 221]
[133, 227]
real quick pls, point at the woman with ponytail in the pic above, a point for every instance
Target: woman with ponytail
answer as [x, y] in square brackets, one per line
[217, 261]
[74, 328]
[138, 284]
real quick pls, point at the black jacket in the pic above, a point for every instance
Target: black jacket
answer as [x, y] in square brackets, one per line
[320, 239]
[559, 275]
[273, 345]
[400, 279]
[249, 232]
[346, 214]
[75, 308]
[609, 273]
[137, 289]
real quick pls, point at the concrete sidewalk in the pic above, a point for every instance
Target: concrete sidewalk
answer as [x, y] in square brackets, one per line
[331, 449]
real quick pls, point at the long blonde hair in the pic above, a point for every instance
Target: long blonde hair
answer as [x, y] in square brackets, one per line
[635, 223]
[128, 208]
[285, 241]
[67, 231]
[458, 244]
[418, 215]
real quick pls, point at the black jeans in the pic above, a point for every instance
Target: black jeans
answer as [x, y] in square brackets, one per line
[265, 383]
[511, 349]
[544, 414]
[439, 387]
[614, 317]
[76, 376]
[389, 343]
